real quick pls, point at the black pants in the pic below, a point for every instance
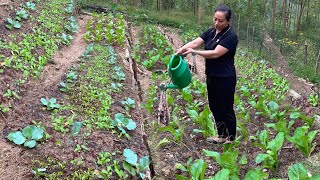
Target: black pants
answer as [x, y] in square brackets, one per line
[221, 98]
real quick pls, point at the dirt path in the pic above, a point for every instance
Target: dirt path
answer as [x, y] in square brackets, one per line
[299, 85]
[14, 160]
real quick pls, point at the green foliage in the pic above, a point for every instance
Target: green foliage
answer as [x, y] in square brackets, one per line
[106, 27]
[177, 133]
[50, 104]
[204, 119]
[303, 140]
[132, 165]
[29, 136]
[195, 170]
[298, 171]
[270, 158]
[21, 15]
[122, 123]
[313, 99]
[228, 160]
[31, 6]
[128, 104]
[13, 23]
[256, 174]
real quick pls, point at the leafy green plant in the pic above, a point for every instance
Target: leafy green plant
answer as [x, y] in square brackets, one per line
[50, 104]
[270, 158]
[281, 126]
[13, 23]
[132, 166]
[228, 160]
[31, 5]
[204, 120]
[28, 136]
[303, 140]
[313, 99]
[128, 103]
[66, 39]
[21, 15]
[176, 133]
[298, 171]
[123, 123]
[196, 169]
[256, 174]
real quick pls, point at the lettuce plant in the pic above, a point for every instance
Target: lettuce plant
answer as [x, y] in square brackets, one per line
[270, 158]
[28, 136]
[195, 169]
[303, 140]
[132, 165]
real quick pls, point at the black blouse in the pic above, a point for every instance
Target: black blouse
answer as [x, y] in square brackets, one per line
[222, 66]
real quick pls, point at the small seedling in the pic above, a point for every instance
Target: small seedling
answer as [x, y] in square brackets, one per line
[29, 136]
[123, 123]
[13, 23]
[128, 103]
[21, 15]
[51, 104]
[31, 5]
[132, 165]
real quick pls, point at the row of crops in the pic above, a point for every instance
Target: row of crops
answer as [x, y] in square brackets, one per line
[260, 94]
[87, 110]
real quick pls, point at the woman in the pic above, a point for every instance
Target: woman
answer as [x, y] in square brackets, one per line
[220, 43]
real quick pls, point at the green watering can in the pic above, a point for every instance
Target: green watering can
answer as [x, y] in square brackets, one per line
[179, 72]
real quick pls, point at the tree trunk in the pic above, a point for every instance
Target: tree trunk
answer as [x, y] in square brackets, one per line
[199, 16]
[273, 18]
[302, 4]
[285, 17]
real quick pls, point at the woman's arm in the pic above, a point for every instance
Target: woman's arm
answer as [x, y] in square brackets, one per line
[192, 44]
[209, 54]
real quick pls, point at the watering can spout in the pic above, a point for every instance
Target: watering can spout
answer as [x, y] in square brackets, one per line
[179, 73]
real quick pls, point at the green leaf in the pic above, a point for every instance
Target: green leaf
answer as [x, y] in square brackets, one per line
[223, 174]
[255, 174]
[198, 169]
[180, 166]
[53, 100]
[144, 163]
[28, 130]
[276, 144]
[273, 105]
[37, 134]
[76, 128]
[243, 159]
[298, 172]
[131, 157]
[131, 125]
[163, 142]
[44, 101]
[180, 177]
[295, 115]
[17, 137]
[213, 154]
[261, 157]
[30, 144]
[129, 168]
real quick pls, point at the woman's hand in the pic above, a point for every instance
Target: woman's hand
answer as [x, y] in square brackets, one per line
[180, 51]
[189, 50]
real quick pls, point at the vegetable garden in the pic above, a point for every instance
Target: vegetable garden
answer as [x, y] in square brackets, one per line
[80, 99]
